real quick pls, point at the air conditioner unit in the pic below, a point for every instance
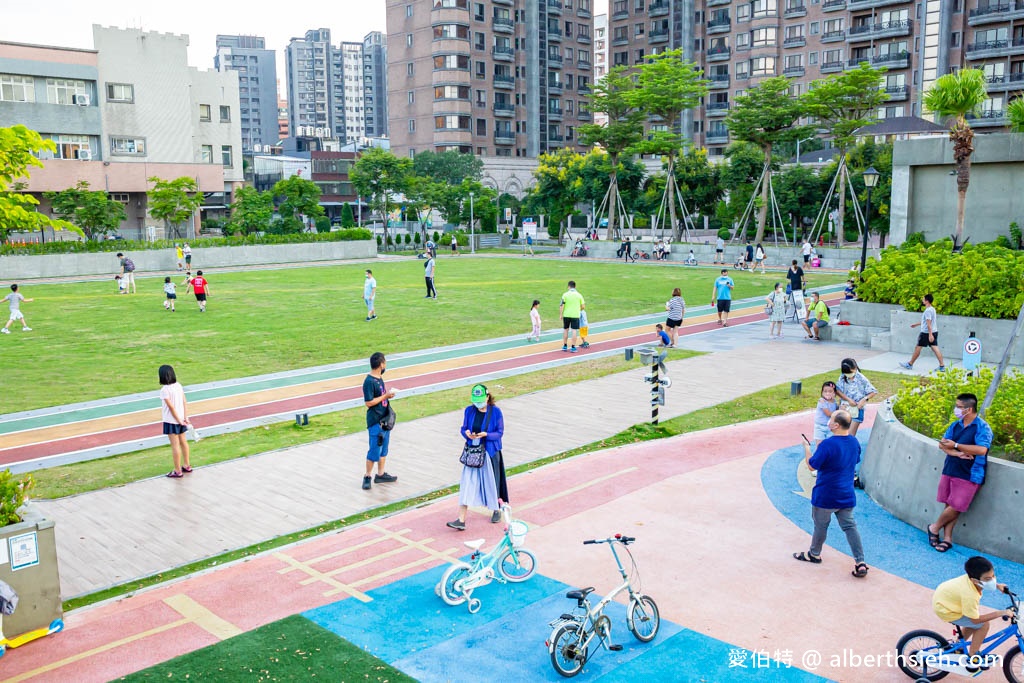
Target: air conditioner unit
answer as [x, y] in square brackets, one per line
[81, 100]
[83, 155]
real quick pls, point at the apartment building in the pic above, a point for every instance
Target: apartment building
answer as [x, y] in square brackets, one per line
[257, 86]
[739, 44]
[307, 69]
[375, 85]
[601, 52]
[497, 78]
[127, 110]
[347, 87]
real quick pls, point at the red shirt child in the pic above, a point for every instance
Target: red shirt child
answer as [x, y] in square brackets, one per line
[201, 287]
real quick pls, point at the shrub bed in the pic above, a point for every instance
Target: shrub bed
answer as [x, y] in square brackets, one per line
[926, 406]
[90, 246]
[984, 281]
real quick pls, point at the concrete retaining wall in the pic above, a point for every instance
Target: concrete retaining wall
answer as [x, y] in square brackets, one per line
[705, 253]
[901, 471]
[64, 265]
[868, 314]
[953, 330]
[38, 585]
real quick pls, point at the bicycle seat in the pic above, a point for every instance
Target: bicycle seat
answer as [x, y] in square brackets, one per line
[580, 594]
[475, 544]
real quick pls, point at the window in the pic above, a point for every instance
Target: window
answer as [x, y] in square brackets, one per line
[742, 70]
[481, 127]
[408, 40]
[17, 88]
[451, 62]
[412, 125]
[225, 115]
[450, 32]
[954, 39]
[794, 61]
[742, 41]
[832, 57]
[743, 12]
[451, 92]
[795, 32]
[451, 122]
[638, 30]
[62, 91]
[225, 155]
[408, 10]
[409, 69]
[70, 146]
[206, 154]
[762, 66]
[814, 28]
[812, 58]
[204, 112]
[127, 146]
[412, 97]
[764, 8]
[763, 37]
[120, 92]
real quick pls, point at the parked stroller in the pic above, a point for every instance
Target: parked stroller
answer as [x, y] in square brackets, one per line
[580, 250]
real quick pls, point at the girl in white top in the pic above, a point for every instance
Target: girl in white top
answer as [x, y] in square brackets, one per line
[535, 320]
[176, 422]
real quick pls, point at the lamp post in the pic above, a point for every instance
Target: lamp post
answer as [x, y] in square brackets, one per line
[472, 239]
[870, 180]
[798, 147]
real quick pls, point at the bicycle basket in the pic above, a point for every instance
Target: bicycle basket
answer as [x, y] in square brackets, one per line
[517, 532]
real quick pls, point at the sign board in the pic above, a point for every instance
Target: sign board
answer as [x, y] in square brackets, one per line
[798, 299]
[24, 551]
[508, 214]
[972, 353]
[530, 227]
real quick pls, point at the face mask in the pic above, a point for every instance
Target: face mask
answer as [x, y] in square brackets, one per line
[958, 413]
[989, 585]
[382, 370]
[481, 405]
[849, 375]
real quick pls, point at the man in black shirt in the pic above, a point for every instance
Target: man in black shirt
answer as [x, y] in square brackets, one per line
[795, 275]
[376, 397]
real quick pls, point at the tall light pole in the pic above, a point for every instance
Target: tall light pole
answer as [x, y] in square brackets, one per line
[472, 239]
[798, 147]
[870, 180]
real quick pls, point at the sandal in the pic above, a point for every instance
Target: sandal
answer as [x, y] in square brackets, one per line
[175, 475]
[943, 546]
[933, 538]
[807, 557]
[186, 470]
[860, 570]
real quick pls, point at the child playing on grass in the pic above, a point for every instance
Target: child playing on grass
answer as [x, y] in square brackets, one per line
[122, 284]
[201, 287]
[584, 329]
[957, 602]
[823, 413]
[663, 338]
[171, 295]
[535, 321]
[15, 298]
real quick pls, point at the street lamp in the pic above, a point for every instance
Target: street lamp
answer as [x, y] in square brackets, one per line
[798, 147]
[870, 180]
[472, 239]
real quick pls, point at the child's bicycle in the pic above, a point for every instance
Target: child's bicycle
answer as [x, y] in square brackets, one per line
[572, 634]
[507, 561]
[926, 656]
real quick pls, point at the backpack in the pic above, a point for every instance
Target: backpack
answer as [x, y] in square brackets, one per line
[828, 311]
[129, 266]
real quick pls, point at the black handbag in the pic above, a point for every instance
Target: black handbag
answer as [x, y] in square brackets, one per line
[476, 455]
[387, 423]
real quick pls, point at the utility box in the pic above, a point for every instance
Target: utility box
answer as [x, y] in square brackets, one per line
[28, 562]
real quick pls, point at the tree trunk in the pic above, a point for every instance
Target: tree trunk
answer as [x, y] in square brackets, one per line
[670, 189]
[841, 216]
[385, 219]
[613, 198]
[762, 212]
[961, 200]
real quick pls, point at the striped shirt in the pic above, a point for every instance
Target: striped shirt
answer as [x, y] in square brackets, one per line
[676, 305]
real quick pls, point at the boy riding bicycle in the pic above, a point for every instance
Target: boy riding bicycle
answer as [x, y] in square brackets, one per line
[957, 602]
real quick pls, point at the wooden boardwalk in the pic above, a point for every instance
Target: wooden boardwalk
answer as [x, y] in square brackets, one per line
[117, 535]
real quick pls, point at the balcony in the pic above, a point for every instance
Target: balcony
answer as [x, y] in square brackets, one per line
[503, 54]
[833, 5]
[793, 71]
[719, 82]
[555, 87]
[583, 66]
[833, 36]
[555, 113]
[885, 29]
[1014, 81]
[624, 13]
[832, 67]
[556, 137]
[658, 8]
[555, 61]
[507, 3]
[716, 136]
[892, 60]
[895, 93]
[718, 54]
[505, 109]
[583, 38]
[503, 25]
[658, 36]
[505, 82]
[584, 115]
[987, 119]
[618, 41]
[583, 88]
[795, 11]
[716, 108]
[719, 26]
[868, 4]
[995, 48]
[795, 41]
[555, 7]
[583, 13]
[554, 35]
[504, 137]
[997, 13]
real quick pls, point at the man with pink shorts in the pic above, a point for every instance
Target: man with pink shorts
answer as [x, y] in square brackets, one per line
[966, 444]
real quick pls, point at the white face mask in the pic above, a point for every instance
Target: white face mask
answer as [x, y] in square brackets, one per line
[990, 585]
[481, 405]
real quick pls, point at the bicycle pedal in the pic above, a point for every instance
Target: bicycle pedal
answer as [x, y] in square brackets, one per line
[615, 648]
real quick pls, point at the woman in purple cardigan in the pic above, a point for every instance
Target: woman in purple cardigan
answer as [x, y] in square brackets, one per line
[482, 486]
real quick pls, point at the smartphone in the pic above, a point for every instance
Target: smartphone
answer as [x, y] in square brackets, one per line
[806, 439]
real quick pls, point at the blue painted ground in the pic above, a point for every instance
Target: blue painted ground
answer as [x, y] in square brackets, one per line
[408, 626]
[889, 544]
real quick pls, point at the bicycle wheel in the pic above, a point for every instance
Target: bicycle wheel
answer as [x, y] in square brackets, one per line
[1013, 665]
[451, 594]
[911, 649]
[567, 653]
[643, 618]
[517, 565]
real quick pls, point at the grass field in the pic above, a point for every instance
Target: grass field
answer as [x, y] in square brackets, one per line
[88, 343]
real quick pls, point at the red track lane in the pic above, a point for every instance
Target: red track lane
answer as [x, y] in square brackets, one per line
[139, 432]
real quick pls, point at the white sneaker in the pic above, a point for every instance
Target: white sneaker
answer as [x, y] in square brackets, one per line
[26, 329]
[5, 330]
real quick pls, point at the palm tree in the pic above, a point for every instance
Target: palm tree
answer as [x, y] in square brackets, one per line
[1015, 113]
[955, 96]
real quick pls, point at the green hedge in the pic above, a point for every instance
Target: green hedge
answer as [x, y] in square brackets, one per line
[984, 281]
[926, 406]
[89, 246]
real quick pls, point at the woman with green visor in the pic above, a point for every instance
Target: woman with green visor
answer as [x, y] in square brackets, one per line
[482, 422]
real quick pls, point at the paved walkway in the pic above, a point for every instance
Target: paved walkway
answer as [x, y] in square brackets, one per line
[163, 523]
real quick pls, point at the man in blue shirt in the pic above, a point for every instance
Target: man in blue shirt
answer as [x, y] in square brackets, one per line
[966, 444]
[721, 296]
[370, 295]
[833, 494]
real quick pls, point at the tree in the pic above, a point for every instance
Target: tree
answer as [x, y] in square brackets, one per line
[744, 167]
[1015, 113]
[18, 147]
[699, 181]
[870, 155]
[379, 175]
[954, 96]
[668, 85]
[843, 103]
[448, 167]
[94, 212]
[347, 219]
[297, 196]
[483, 208]
[251, 211]
[557, 188]
[765, 116]
[615, 96]
[173, 201]
[799, 190]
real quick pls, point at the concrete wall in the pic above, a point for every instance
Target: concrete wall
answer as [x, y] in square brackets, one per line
[924, 194]
[869, 315]
[38, 587]
[64, 265]
[901, 471]
[705, 253]
[953, 330]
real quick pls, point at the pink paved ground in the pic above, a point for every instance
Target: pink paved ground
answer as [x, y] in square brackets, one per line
[712, 550]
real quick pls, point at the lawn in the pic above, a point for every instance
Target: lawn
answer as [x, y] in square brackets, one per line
[89, 343]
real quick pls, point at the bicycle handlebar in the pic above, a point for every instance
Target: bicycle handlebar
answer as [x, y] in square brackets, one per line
[617, 538]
